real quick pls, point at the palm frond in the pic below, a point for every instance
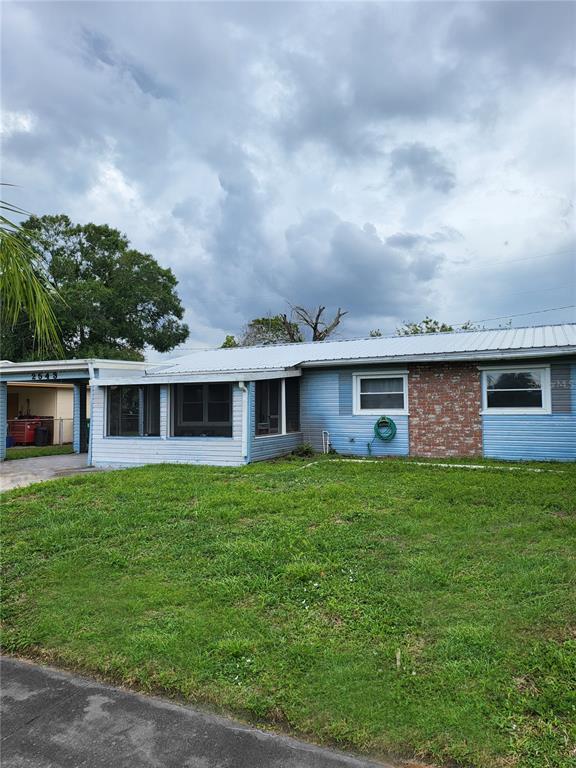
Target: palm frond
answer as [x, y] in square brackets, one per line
[24, 287]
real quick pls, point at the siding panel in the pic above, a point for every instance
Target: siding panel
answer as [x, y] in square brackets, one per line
[530, 437]
[561, 380]
[128, 451]
[322, 405]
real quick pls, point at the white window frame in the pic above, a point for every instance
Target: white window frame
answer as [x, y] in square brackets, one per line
[358, 411]
[546, 407]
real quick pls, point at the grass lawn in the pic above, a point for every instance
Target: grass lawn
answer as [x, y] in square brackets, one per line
[32, 451]
[386, 607]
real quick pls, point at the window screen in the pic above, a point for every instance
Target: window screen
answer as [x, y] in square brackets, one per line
[134, 411]
[292, 392]
[268, 405]
[202, 410]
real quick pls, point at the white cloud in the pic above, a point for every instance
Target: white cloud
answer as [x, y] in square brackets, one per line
[16, 122]
[394, 159]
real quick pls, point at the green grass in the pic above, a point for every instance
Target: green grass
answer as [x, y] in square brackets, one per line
[386, 607]
[33, 451]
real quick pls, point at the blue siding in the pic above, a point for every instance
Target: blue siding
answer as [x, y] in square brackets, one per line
[76, 419]
[529, 437]
[134, 451]
[3, 419]
[536, 436]
[274, 445]
[324, 396]
[271, 446]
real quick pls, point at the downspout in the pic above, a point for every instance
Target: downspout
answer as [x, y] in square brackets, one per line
[245, 420]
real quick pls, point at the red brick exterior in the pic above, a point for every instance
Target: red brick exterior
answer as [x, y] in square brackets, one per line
[444, 403]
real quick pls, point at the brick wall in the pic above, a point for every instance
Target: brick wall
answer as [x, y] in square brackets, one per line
[444, 404]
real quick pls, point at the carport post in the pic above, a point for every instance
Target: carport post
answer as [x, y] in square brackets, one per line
[3, 418]
[80, 442]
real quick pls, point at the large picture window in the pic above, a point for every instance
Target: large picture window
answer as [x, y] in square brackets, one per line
[517, 390]
[134, 411]
[202, 410]
[382, 393]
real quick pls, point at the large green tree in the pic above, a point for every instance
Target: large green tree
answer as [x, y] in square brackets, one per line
[115, 300]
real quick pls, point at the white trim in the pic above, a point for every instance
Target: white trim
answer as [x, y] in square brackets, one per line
[358, 411]
[283, 406]
[245, 420]
[546, 391]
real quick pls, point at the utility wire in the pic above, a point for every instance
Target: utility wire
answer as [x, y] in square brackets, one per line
[509, 317]
[508, 261]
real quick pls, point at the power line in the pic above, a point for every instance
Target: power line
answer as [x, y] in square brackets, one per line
[509, 317]
[509, 261]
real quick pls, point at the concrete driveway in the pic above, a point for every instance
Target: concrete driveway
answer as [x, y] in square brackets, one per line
[51, 719]
[21, 472]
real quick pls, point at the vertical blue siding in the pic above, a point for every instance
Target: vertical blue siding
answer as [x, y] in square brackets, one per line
[3, 418]
[326, 403]
[534, 436]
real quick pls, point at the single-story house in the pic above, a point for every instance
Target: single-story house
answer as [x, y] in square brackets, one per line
[507, 394]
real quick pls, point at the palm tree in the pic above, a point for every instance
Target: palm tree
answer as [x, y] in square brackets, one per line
[25, 289]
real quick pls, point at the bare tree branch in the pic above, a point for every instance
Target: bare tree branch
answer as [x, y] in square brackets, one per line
[313, 320]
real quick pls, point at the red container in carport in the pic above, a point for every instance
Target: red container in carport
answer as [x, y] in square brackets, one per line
[23, 431]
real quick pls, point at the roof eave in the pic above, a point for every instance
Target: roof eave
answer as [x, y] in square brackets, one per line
[490, 354]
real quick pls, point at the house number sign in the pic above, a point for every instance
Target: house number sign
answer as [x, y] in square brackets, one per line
[44, 375]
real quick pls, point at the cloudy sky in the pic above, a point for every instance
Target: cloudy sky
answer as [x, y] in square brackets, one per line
[394, 159]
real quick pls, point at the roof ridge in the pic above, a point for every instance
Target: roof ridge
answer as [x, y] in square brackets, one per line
[383, 336]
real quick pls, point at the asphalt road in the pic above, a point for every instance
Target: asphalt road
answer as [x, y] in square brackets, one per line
[51, 719]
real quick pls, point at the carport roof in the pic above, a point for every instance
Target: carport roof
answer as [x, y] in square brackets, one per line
[76, 368]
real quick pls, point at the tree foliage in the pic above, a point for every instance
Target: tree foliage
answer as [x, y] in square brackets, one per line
[428, 325]
[284, 329]
[116, 300]
[27, 297]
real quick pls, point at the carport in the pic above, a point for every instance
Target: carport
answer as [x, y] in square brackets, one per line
[79, 373]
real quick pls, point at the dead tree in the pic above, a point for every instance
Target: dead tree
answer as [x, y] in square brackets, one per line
[313, 320]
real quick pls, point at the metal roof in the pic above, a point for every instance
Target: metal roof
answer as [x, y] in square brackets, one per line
[533, 341]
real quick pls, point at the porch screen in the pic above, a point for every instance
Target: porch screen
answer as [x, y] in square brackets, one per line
[134, 411]
[202, 410]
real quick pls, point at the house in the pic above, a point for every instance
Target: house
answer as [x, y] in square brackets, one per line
[507, 394]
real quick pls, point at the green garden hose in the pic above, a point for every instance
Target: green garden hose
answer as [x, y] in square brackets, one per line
[384, 429]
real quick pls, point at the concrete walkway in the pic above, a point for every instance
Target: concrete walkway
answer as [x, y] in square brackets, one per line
[53, 719]
[21, 472]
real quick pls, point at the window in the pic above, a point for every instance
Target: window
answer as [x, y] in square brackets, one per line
[380, 393]
[202, 410]
[517, 390]
[292, 394]
[268, 407]
[134, 411]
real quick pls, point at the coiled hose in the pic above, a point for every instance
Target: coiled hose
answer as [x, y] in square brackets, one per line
[384, 429]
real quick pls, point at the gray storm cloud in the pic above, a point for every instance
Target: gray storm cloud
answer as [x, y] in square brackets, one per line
[395, 159]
